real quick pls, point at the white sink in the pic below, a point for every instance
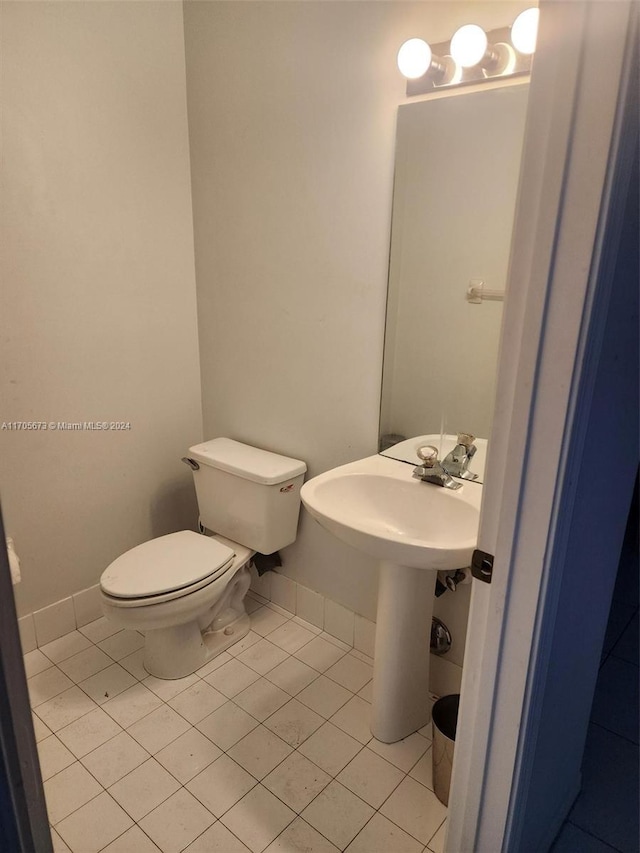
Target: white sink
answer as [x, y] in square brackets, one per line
[377, 506]
[414, 529]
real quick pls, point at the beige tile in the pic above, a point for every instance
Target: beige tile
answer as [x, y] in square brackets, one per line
[197, 702]
[324, 696]
[65, 647]
[232, 677]
[227, 725]
[338, 814]
[85, 664]
[188, 755]
[132, 841]
[39, 729]
[339, 621]
[166, 688]
[88, 732]
[246, 642]
[134, 664]
[251, 605]
[35, 662]
[122, 644]
[404, 753]
[107, 683]
[292, 675]
[27, 633]
[382, 836]
[354, 718]
[310, 606]
[265, 620]
[258, 818]
[261, 699]
[221, 785]
[99, 630]
[350, 673]
[58, 844]
[94, 825]
[315, 630]
[68, 790]
[259, 752]
[262, 656]
[319, 653]
[436, 845]
[283, 592]
[158, 729]
[330, 748]
[415, 809]
[294, 723]
[290, 637]
[423, 770]
[296, 781]
[364, 635]
[335, 641]
[115, 759]
[55, 621]
[47, 684]
[54, 757]
[213, 664]
[144, 788]
[299, 836]
[177, 822]
[371, 777]
[131, 705]
[216, 839]
[65, 708]
[367, 692]
[87, 606]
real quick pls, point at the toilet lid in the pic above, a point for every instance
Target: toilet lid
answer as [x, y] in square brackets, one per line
[166, 564]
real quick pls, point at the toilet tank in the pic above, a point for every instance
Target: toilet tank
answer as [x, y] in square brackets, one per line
[249, 495]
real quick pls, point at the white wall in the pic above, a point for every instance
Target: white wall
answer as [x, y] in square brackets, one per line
[98, 309]
[292, 115]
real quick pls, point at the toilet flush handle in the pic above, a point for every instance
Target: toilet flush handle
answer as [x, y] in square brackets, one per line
[191, 463]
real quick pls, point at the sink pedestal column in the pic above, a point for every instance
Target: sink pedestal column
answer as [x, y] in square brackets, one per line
[401, 703]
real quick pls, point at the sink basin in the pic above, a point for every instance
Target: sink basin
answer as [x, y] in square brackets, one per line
[414, 529]
[376, 506]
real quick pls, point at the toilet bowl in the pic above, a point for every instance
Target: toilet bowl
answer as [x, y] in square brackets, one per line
[185, 591]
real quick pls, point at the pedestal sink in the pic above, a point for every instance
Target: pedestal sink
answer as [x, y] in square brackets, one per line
[414, 529]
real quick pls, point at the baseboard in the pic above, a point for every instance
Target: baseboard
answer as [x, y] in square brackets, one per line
[61, 617]
[342, 623]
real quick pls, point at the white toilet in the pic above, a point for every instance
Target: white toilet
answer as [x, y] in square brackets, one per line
[186, 591]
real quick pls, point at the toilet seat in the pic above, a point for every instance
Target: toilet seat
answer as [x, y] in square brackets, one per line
[166, 568]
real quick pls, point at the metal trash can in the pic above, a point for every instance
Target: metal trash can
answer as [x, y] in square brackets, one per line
[445, 721]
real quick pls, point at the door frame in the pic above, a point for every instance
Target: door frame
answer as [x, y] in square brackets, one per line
[570, 206]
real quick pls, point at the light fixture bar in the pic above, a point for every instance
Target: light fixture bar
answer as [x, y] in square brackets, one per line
[469, 76]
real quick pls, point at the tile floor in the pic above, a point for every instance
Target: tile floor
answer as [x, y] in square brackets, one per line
[604, 818]
[266, 748]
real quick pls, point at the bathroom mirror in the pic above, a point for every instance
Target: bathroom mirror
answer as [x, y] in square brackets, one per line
[456, 177]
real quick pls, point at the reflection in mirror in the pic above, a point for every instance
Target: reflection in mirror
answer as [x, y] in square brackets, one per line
[457, 167]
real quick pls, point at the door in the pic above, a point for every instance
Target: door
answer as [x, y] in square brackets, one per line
[564, 446]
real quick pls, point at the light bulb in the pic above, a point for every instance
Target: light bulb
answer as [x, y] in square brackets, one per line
[469, 45]
[414, 58]
[524, 31]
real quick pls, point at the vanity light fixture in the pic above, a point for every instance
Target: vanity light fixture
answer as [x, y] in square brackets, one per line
[524, 31]
[416, 59]
[471, 56]
[470, 47]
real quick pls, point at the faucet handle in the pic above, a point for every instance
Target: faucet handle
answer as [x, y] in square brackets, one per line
[428, 454]
[466, 439]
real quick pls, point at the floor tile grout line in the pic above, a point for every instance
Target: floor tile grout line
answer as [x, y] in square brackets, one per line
[591, 834]
[259, 722]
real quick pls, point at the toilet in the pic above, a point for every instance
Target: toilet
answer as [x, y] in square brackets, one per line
[185, 591]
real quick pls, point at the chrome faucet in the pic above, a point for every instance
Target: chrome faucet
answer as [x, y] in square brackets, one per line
[457, 462]
[431, 470]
